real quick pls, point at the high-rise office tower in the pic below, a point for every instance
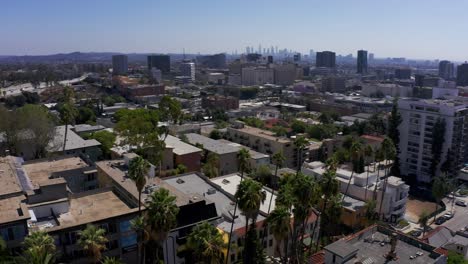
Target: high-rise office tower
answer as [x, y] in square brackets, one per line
[162, 62]
[420, 121]
[403, 73]
[119, 64]
[462, 74]
[362, 61]
[188, 69]
[446, 69]
[325, 59]
[371, 57]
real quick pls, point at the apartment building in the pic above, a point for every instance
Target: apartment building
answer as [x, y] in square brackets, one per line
[264, 141]
[184, 153]
[227, 154]
[365, 186]
[256, 158]
[418, 119]
[378, 244]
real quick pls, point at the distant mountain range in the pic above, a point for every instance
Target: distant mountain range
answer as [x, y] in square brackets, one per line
[82, 57]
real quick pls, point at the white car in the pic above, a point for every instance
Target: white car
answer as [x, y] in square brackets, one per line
[448, 215]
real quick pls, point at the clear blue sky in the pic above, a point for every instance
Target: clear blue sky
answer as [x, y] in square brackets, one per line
[392, 28]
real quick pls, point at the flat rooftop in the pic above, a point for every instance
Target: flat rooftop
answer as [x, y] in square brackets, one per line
[266, 134]
[13, 209]
[40, 171]
[91, 207]
[230, 182]
[180, 147]
[116, 170]
[371, 244]
[253, 154]
[211, 144]
[9, 181]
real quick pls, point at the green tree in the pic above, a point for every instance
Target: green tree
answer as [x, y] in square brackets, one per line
[370, 207]
[93, 240]
[107, 140]
[161, 217]
[394, 134]
[39, 248]
[243, 157]
[137, 171]
[423, 221]
[170, 110]
[262, 174]
[355, 150]
[85, 115]
[455, 258]
[68, 113]
[439, 189]
[279, 131]
[207, 244]
[109, 260]
[210, 168]
[279, 221]
[139, 226]
[298, 126]
[438, 140]
[250, 195]
[300, 143]
[215, 134]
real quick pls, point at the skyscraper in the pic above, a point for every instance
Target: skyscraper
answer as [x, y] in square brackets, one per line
[119, 64]
[446, 69]
[362, 61]
[162, 62]
[188, 69]
[462, 74]
[371, 57]
[325, 59]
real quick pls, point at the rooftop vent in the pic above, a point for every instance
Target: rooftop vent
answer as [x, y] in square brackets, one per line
[180, 181]
[211, 191]
[226, 181]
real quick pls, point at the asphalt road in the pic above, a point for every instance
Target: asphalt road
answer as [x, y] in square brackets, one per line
[460, 219]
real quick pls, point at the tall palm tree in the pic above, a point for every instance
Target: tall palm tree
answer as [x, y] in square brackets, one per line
[389, 153]
[368, 152]
[355, 150]
[423, 221]
[300, 143]
[161, 216]
[39, 248]
[250, 195]
[93, 240]
[243, 161]
[207, 244]
[68, 113]
[280, 224]
[137, 171]
[139, 226]
[330, 187]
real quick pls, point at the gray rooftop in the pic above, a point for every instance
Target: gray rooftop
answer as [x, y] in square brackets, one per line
[74, 141]
[180, 147]
[211, 144]
[83, 128]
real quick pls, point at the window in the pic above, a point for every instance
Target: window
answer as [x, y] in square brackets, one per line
[91, 177]
[270, 243]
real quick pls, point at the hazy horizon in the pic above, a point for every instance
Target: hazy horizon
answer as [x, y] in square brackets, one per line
[415, 29]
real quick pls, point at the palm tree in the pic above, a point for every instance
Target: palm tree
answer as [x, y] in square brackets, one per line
[108, 260]
[207, 243]
[300, 143]
[330, 187]
[161, 216]
[389, 153]
[423, 221]
[368, 152]
[39, 248]
[439, 190]
[355, 150]
[93, 240]
[250, 195]
[139, 226]
[243, 161]
[68, 113]
[137, 171]
[280, 224]
[370, 210]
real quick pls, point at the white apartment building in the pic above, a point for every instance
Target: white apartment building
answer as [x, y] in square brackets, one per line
[418, 119]
[188, 69]
[257, 75]
[363, 185]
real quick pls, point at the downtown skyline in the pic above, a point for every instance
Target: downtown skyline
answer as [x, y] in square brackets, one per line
[208, 27]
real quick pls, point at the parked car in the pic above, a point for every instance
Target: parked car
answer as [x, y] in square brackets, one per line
[448, 216]
[460, 203]
[440, 220]
[416, 233]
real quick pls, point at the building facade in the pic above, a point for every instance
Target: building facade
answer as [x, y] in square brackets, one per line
[119, 64]
[362, 61]
[161, 62]
[325, 59]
